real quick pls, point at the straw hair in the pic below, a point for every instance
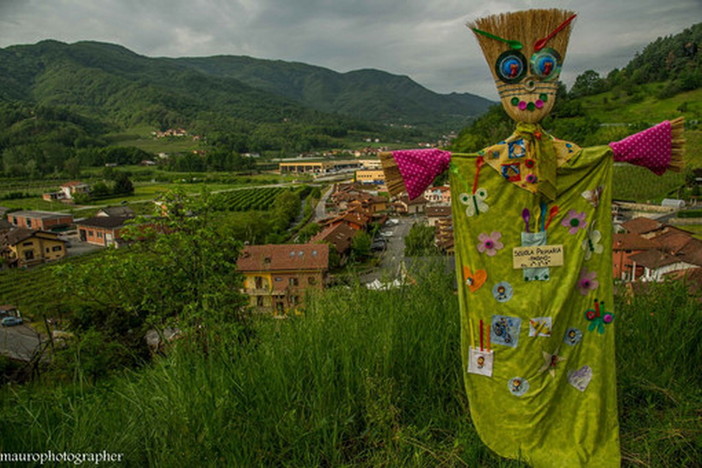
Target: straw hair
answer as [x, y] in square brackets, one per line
[525, 26]
[677, 145]
[393, 177]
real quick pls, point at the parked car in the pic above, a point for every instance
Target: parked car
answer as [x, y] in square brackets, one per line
[11, 321]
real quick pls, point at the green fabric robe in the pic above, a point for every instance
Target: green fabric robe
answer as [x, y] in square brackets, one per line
[547, 411]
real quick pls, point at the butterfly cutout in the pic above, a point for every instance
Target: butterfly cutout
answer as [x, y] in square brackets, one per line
[593, 196]
[591, 243]
[474, 281]
[475, 204]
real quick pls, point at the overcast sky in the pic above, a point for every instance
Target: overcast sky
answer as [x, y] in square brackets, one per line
[424, 39]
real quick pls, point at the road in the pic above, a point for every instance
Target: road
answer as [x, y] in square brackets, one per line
[320, 211]
[18, 342]
[394, 253]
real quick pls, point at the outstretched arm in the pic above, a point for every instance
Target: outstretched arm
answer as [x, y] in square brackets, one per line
[658, 148]
[413, 170]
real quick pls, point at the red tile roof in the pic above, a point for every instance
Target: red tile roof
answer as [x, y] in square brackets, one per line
[340, 236]
[641, 225]
[273, 257]
[632, 242]
[672, 240]
[654, 259]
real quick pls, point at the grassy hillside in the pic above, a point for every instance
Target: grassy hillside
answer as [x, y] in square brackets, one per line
[364, 378]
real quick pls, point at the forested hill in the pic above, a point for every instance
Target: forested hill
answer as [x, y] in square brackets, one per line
[369, 94]
[110, 81]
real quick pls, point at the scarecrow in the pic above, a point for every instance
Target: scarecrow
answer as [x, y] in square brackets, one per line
[533, 236]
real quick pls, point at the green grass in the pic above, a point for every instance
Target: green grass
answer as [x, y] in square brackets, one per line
[364, 378]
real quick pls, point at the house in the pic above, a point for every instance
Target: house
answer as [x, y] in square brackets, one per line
[624, 246]
[71, 188]
[435, 213]
[444, 235]
[406, 206]
[40, 220]
[340, 236]
[102, 230]
[23, 247]
[116, 211]
[277, 276]
[652, 251]
[439, 195]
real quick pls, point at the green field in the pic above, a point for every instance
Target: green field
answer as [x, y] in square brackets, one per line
[364, 378]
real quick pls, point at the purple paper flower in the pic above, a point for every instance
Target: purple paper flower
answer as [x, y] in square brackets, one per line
[587, 282]
[574, 221]
[489, 244]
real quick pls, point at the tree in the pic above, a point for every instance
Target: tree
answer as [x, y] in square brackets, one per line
[178, 270]
[72, 167]
[361, 245]
[122, 184]
[587, 83]
[420, 241]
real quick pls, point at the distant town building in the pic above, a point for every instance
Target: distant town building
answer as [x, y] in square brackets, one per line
[372, 177]
[319, 167]
[102, 230]
[40, 220]
[277, 276]
[23, 247]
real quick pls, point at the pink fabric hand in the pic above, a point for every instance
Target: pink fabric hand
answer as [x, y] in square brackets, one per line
[419, 168]
[650, 148]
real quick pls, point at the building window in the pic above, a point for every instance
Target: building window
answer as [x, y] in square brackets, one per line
[91, 234]
[57, 248]
[48, 250]
[99, 234]
[293, 281]
[29, 255]
[29, 223]
[258, 282]
[259, 301]
[28, 244]
[312, 280]
[294, 300]
[278, 279]
[14, 220]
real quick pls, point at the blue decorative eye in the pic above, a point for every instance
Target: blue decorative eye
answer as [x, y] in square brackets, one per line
[546, 64]
[510, 66]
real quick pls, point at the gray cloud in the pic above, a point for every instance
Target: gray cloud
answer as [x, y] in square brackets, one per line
[425, 40]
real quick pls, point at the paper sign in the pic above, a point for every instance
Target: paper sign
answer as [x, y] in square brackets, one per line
[537, 256]
[480, 362]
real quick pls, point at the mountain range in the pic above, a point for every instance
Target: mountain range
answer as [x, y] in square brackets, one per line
[109, 81]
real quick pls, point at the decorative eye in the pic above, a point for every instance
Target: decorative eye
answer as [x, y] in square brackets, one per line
[465, 198]
[510, 66]
[546, 64]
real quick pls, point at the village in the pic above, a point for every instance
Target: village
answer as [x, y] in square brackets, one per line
[650, 244]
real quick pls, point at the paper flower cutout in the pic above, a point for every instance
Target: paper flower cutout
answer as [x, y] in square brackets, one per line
[490, 244]
[574, 221]
[474, 280]
[592, 243]
[587, 282]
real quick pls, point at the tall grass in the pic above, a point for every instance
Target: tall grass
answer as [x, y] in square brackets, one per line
[364, 378]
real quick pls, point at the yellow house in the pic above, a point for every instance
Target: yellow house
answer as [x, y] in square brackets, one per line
[24, 247]
[277, 276]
